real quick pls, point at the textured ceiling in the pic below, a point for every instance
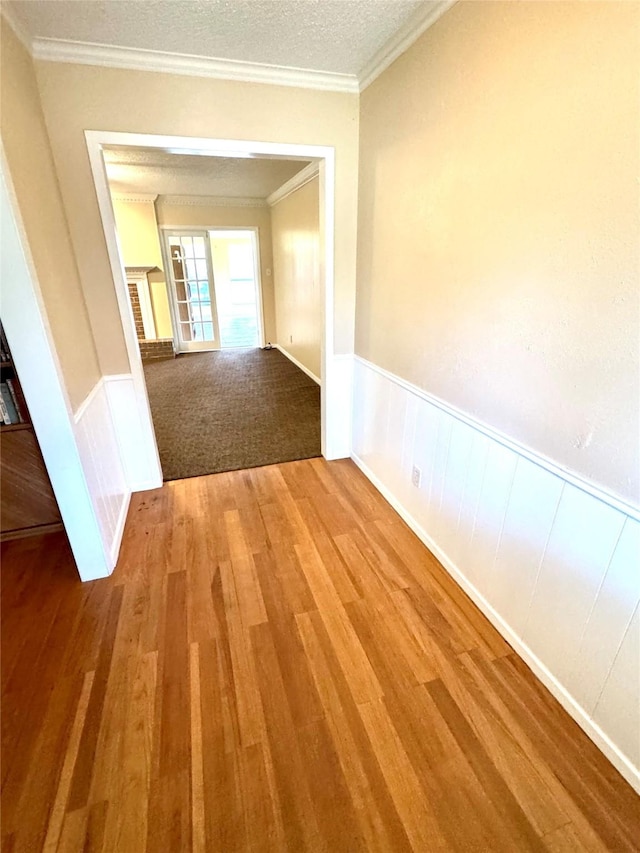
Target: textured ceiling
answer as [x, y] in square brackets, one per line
[337, 36]
[148, 170]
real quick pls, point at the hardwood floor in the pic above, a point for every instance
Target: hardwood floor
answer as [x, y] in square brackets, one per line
[278, 664]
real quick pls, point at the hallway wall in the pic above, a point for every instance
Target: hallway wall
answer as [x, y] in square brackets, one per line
[499, 214]
[28, 153]
[295, 225]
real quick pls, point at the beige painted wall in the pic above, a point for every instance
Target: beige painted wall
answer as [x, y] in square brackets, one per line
[140, 246]
[137, 232]
[31, 169]
[498, 260]
[295, 224]
[205, 216]
[79, 97]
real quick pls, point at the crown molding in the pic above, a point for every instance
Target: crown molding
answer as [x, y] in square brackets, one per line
[87, 53]
[140, 272]
[7, 12]
[140, 59]
[303, 177]
[134, 198]
[210, 201]
[410, 32]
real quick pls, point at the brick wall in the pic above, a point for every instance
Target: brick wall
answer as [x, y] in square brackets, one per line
[137, 311]
[156, 350]
[149, 350]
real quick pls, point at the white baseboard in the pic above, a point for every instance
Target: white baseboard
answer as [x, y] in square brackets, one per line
[297, 363]
[597, 735]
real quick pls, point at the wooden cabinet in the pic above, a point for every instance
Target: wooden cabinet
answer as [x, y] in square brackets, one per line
[27, 503]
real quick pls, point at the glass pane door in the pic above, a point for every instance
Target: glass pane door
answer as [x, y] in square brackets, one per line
[193, 291]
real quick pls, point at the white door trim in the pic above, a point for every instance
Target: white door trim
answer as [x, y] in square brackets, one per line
[148, 444]
[335, 421]
[166, 261]
[257, 263]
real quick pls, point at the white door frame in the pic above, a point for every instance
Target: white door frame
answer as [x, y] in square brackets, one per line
[335, 415]
[169, 291]
[257, 261]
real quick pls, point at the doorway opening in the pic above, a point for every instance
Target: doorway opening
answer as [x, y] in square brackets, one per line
[221, 310]
[236, 274]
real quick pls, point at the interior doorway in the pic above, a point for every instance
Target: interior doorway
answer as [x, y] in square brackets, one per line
[335, 371]
[238, 290]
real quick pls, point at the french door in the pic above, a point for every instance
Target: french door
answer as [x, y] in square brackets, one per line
[192, 288]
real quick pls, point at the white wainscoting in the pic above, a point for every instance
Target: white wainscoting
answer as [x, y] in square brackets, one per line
[134, 433]
[337, 402]
[117, 456]
[552, 561]
[104, 471]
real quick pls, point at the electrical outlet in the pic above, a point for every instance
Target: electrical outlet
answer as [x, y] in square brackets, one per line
[416, 476]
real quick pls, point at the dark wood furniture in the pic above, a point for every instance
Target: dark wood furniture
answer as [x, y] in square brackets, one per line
[27, 503]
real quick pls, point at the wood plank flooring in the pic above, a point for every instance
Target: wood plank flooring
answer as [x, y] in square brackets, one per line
[276, 664]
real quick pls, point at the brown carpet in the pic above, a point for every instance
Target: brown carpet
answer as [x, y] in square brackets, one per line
[221, 411]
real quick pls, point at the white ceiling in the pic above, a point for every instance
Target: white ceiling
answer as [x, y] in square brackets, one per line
[149, 170]
[329, 36]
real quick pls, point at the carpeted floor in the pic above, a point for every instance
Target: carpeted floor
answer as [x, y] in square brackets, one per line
[220, 411]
